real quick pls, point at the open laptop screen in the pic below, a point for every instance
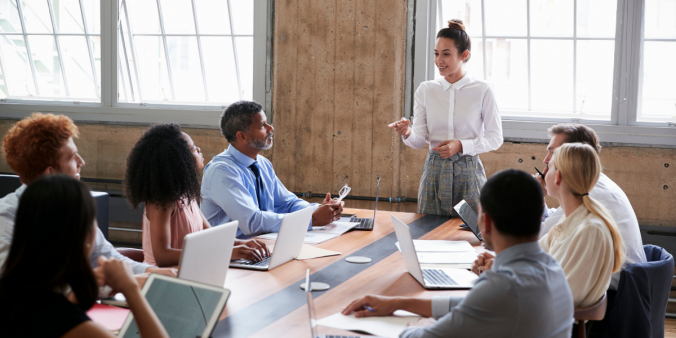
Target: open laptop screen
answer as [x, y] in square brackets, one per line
[186, 309]
[468, 216]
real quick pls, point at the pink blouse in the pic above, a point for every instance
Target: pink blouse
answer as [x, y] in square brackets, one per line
[185, 219]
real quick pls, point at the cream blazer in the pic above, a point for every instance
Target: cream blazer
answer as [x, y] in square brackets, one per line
[583, 245]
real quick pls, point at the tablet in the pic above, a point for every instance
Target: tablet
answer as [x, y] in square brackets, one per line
[186, 309]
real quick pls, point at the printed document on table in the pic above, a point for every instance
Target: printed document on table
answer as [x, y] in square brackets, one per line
[390, 326]
[323, 234]
[441, 246]
[447, 257]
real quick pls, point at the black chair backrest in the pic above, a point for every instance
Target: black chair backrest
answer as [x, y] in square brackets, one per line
[8, 184]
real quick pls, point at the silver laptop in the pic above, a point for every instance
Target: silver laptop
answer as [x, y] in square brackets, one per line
[313, 317]
[288, 245]
[186, 309]
[368, 223]
[206, 254]
[429, 278]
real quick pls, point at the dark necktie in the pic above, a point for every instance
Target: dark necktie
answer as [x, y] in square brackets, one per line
[259, 185]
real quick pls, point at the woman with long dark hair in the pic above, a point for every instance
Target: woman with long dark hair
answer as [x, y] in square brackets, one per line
[48, 283]
[162, 172]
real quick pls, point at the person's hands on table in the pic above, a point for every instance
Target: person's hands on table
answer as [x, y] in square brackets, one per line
[370, 306]
[448, 148]
[402, 127]
[256, 245]
[118, 275]
[483, 263]
[171, 272]
[327, 212]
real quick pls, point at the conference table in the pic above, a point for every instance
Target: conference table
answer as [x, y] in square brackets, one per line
[272, 304]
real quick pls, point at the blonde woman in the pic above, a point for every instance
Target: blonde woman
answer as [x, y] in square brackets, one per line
[586, 241]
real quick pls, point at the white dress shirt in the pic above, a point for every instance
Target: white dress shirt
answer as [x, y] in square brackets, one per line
[611, 196]
[583, 245]
[8, 207]
[464, 111]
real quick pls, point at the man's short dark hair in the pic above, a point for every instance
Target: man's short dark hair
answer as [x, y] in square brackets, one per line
[238, 117]
[577, 133]
[514, 200]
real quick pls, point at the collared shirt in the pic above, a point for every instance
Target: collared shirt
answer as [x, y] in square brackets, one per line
[464, 111]
[8, 207]
[583, 245]
[524, 294]
[611, 196]
[229, 193]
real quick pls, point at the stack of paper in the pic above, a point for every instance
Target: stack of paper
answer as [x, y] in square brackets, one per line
[390, 326]
[110, 317]
[444, 252]
[322, 234]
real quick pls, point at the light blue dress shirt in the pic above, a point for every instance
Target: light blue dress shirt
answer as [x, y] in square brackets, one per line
[525, 295]
[229, 193]
[8, 207]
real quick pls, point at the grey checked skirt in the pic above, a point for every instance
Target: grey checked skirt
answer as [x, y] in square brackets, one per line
[446, 182]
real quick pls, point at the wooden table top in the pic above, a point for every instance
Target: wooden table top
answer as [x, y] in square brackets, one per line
[271, 303]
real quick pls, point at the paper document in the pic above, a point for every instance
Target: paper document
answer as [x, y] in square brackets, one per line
[441, 246]
[110, 317]
[323, 234]
[462, 257]
[309, 252]
[390, 326]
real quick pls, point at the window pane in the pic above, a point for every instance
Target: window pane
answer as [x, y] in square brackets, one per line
[552, 75]
[506, 18]
[660, 19]
[507, 69]
[212, 17]
[47, 65]
[658, 95]
[127, 62]
[36, 16]
[242, 16]
[78, 66]
[144, 16]
[177, 16]
[9, 17]
[594, 87]
[125, 76]
[596, 18]
[186, 71]
[95, 42]
[219, 66]
[152, 68]
[67, 16]
[245, 59]
[469, 11]
[15, 59]
[93, 15]
[551, 18]
[3, 88]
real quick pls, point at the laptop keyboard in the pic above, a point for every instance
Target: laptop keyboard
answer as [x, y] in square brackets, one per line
[264, 262]
[437, 277]
[364, 223]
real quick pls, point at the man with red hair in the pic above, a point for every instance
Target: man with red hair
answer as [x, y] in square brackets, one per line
[42, 144]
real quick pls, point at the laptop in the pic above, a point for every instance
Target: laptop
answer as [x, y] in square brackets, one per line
[288, 245]
[313, 317]
[186, 309]
[206, 254]
[468, 216]
[367, 223]
[432, 279]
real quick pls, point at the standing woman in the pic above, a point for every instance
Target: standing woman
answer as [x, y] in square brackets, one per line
[459, 118]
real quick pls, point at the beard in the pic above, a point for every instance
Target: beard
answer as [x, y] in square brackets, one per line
[264, 144]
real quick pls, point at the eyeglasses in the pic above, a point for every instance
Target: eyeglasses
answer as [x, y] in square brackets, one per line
[343, 192]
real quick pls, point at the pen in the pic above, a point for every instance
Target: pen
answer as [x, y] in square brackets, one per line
[539, 172]
[368, 308]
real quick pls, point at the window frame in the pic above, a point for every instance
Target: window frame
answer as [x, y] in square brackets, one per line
[109, 110]
[623, 127]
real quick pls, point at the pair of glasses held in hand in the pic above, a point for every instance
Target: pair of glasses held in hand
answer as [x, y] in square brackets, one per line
[344, 191]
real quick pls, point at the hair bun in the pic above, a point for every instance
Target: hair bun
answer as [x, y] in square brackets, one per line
[456, 24]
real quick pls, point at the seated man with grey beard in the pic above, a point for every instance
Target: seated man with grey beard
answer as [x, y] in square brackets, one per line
[239, 184]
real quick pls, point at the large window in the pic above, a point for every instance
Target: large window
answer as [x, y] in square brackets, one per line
[50, 49]
[601, 62]
[133, 60]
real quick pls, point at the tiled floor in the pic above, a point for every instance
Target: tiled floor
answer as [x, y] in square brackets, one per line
[670, 328]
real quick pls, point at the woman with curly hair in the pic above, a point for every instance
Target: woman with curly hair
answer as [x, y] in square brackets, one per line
[162, 172]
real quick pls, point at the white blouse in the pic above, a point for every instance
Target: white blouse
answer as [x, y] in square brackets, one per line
[583, 245]
[464, 111]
